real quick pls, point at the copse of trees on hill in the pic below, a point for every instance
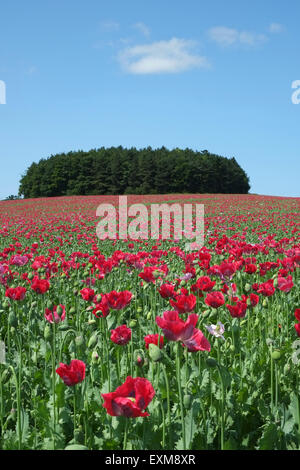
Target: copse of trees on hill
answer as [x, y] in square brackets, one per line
[118, 170]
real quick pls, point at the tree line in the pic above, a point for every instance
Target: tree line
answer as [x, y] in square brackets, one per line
[119, 170]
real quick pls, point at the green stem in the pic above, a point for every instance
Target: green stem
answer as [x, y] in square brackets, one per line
[180, 394]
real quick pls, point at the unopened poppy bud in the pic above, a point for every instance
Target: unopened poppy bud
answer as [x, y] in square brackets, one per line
[247, 287]
[79, 341]
[149, 315]
[276, 354]
[47, 333]
[275, 282]
[93, 341]
[211, 362]
[265, 303]
[6, 374]
[243, 322]
[132, 323]
[155, 352]
[59, 310]
[91, 321]
[139, 310]
[98, 298]
[95, 357]
[139, 357]
[206, 313]
[286, 368]
[12, 319]
[72, 310]
[187, 401]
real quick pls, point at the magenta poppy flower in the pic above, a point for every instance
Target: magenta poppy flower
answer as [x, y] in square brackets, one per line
[121, 335]
[72, 374]
[130, 399]
[184, 303]
[215, 299]
[56, 315]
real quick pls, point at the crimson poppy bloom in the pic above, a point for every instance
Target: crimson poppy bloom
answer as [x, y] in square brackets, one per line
[184, 303]
[215, 299]
[52, 316]
[175, 329]
[250, 268]
[17, 293]
[254, 299]
[285, 284]
[72, 374]
[40, 286]
[297, 314]
[238, 310]
[197, 342]
[153, 339]
[102, 307]
[118, 300]
[130, 399]
[266, 288]
[121, 335]
[87, 294]
[204, 284]
[297, 328]
[167, 291]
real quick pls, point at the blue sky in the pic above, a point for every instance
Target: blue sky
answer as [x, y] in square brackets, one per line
[205, 75]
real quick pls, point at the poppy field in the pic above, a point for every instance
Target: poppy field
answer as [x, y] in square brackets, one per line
[140, 344]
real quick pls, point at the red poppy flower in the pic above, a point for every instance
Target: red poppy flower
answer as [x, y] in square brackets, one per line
[285, 284]
[250, 268]
[175, 329]
[53, 316]
[40, 286]
[215, 299]
[121, 335]
[17, 293]
[167, 290]
[238, 310]
[130, 399]
[118, 300]
[197, 342]
[254, 299]
[87, 294]
[204, 284]
[184, 303]
[266, 288]
[297, 328]
[297, 314]
[102, 307]
[153, 339]
[72, 374]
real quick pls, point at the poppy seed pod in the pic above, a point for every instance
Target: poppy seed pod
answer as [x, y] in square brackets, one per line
[154, 352]
[276, 354]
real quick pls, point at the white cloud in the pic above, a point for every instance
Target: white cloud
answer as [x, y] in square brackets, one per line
[142, 28]
[228, 36]
[109, 26]
[171, 56]
[276, 28]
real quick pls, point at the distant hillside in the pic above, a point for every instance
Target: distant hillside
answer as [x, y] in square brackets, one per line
[118, 170]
